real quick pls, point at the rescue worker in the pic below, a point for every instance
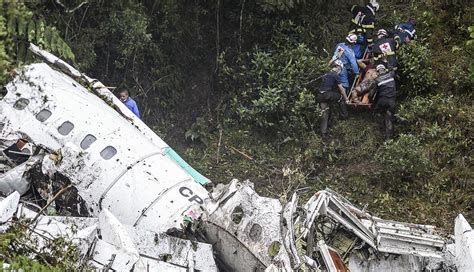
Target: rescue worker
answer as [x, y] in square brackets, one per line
[406, 31]
[363, 24]
[384, 50]
[345, 54]
[328, 94]
[383, 91]
[129, 102]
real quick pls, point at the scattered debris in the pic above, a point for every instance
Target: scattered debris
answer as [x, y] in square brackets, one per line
[104, 242]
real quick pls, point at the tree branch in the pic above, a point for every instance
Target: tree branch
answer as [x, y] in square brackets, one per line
[68, 10]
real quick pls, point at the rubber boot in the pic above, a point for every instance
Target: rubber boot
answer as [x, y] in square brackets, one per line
[388, 125]
[343, 106]
[324, 118]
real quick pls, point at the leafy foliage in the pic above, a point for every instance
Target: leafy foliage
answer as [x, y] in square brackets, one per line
[128, 33]
[444, 124]
[278, 5]
[198, 131]
[403, 157]
[416, 69]
[18, 27]
[4, 57]
[275, 92]
[463, 69]
[21, 250]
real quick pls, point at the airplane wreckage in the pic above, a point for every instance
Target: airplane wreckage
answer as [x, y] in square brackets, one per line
[140, 207]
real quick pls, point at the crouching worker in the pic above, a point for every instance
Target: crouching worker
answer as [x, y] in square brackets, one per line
[382, 91]
[328, 94]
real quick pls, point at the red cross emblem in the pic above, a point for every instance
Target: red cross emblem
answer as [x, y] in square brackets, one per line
[385, 47]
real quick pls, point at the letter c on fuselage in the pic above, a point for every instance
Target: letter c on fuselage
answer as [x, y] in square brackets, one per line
[186, 192]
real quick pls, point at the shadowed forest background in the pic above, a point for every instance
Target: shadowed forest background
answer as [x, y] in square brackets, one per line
[232, 86]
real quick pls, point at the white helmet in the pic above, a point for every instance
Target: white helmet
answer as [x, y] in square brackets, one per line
[351, 38]
[382, 33]
[381, 69]
[374, 5]
[337, 64]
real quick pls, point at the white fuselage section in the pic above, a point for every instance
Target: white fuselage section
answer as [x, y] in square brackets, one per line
[108, 160]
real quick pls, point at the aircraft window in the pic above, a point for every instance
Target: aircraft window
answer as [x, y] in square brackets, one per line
[43, 115]
[255, 232]
[237, 215]
[65, 128]
[274, 248]
[87, 141]
[108, 152]
[21, 103]
[3, 92]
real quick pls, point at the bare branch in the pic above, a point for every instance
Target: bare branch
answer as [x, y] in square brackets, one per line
[68, 10]
[60, 192]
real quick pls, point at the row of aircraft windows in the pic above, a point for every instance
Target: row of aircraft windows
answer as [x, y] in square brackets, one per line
[65, 128]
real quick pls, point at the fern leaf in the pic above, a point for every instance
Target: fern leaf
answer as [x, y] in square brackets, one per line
[22, 27]
[31, 31]
[40, 32]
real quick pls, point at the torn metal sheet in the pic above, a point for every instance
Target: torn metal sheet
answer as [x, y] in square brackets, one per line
[288, 231]
[107, 244]
[332, 257]
[108, 257]
[391, 263]
[15, 179]
[245, 229]
[337, 210]
[174, 250]
[315, 207]
[8, 207]
[464, 237]
[408, 239]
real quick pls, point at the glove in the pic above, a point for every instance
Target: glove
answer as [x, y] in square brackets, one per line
[369, 48]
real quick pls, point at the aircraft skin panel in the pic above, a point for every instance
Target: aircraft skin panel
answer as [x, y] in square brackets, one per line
[170, 153]
[106, 123]
[138, 188]
[182, 200]
[164, 170]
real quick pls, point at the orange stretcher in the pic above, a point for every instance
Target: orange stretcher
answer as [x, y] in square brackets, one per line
[364, 102]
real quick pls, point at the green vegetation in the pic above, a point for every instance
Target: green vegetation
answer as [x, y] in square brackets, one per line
[21, 250]
[19, 26]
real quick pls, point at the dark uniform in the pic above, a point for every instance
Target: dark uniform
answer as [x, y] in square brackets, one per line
[384, 52]
[383, 91]
[328, 94]
[385, 100]
[405, 32]
[363, 19]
